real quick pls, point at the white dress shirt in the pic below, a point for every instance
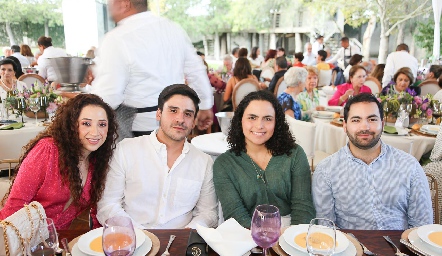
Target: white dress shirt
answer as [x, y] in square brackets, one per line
[256, 62]
[309, 59]
[141, 186]
[23, 60]
[397, 60]
[139, 58]
[344, 52]
[316, 46]
[45, 69]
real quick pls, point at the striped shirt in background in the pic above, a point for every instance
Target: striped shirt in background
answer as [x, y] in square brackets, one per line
[390, 193]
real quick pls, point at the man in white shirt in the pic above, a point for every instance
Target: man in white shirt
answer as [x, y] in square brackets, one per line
[160, 180]
[399, 59]
[45, 68]
[141, 56]
[16, 53]
[318, 44]
[345, 52]
[309, 55]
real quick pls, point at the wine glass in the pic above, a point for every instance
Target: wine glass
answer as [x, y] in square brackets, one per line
[437, 111]
[321, 237]
[386, 109]
[119, 236]
[34, 106]
[47, 237]
[44, 104]
[266, 226]
[20, 105]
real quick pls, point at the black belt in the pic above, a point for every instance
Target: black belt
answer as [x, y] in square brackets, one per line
[147, 109]
[138, 134]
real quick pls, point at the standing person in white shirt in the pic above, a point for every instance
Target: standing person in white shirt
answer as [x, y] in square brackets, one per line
[345, 52]
[16, 53]
[318, 44]
[45, 69]
[309, 55]
[140, 57]
[399, 59]
[161, 180]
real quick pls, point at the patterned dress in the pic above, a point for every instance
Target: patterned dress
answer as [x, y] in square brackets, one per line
[435, 167]
[288, 103]
[307, 102]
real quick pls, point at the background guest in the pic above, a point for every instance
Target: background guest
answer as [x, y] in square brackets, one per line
[242, 70]
[8, 80]
[280, 69]
[25, 50]
[318, 44]
[354, 60]
[297, 60]
[269, 60]
[309, 55]
[402, 80]
[65, 166]
[354, 86]
[399, 59]
[320, 59]
[24, 62]
[309, 98]
[242, 53]
[45, 68]
[255, 58]
[19, 71]
[434, 73]
[295, 79]
[378, 72]
[263, 147]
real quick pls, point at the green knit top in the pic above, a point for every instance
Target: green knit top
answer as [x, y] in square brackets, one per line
[287, 186]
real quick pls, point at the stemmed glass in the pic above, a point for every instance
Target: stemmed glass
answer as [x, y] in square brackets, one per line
[44, 104]
[119, 236]
[437, 112]
[321, 237]
[20, 105]
[266, 226]
[47, 238]
[386, 109]
[34, 106]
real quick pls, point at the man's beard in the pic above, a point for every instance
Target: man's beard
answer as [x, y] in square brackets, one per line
[366, 144]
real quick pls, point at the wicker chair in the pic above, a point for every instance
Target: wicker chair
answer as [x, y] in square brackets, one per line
[434, 198]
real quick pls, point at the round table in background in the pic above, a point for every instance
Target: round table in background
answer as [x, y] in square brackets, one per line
[213, 144]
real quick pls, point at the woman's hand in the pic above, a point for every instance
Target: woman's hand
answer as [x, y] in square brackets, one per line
[348, 93]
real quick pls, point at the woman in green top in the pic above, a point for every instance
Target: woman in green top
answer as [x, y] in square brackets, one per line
[309, 99]
[264, 165]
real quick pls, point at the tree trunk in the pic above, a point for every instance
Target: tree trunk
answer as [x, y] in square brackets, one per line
[383, 45]
[216, 46]
[367, 37]
[400, 34]
[9, 32]
[206, 49]
[46, 28]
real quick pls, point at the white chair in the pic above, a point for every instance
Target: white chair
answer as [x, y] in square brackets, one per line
[280, 87]
[374, 84]
[429, 88]
[305, 135]
[267, 73]
[243, 88]
[325, 77]
[30, 79]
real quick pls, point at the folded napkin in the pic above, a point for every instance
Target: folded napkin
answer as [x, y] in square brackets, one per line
[390, 129]
[12, 126]
[230, 238]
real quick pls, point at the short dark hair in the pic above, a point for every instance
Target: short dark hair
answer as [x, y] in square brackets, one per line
[180, 89]
[243, 52]
[44, 41]
[319, 36]
[15, 48]
[363, 97]
[436, 70]
[200, 53]
[235, 50]
[19, 70]
[139, 5]
[355, 59]
[405, 71]
[281, 142]
[281, 49]
[299, 56]
[322, 54]
[7, 61]
[402, 47]
[281, 62]
[344, 39]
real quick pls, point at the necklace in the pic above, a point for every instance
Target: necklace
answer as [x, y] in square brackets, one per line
[259, 173]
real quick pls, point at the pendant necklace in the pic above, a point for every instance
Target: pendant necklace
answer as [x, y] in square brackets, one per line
[260, 173]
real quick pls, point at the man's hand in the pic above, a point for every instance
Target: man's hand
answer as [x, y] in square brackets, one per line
[204, 119]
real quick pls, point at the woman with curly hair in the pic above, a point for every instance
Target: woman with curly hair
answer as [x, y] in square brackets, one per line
[263, 166]
[65, 166]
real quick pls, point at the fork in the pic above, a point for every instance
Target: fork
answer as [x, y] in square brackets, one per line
[166, 253]
[366, 250]
[398, 252]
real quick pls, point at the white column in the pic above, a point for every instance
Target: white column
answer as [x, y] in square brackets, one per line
[216, 46]
[298, 43]
[272, 43]
[261, 45]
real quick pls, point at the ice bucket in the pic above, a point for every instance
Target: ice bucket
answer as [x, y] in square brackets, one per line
[70, 70]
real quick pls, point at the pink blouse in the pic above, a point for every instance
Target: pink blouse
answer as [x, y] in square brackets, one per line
[341, 89]
[39, 180]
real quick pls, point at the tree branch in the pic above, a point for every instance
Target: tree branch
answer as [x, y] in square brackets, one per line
[413, 14]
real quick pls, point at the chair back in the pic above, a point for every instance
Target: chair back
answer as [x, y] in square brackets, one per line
[267, 72]
[304, 133]
[243, 88]
[429, 87]
[325, 77]
[280, 87]
[434, 191]
[29, 79]
[374, 84]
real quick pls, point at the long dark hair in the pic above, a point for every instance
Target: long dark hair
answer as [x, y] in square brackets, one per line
[254, 53]
[242, 68]
[64, 132]
[281, 142]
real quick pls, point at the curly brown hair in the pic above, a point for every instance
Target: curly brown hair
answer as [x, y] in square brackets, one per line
[281, 142]
[64, 131]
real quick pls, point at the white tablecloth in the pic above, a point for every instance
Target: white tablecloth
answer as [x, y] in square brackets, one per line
[12, 141]
[213, 144]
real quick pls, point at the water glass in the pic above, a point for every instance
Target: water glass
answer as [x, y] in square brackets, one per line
[266, 226]
[119, 237]
[321, 237]
[48, 238]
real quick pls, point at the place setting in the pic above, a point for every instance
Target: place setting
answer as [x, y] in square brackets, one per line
[325, 114]
[117, 235]
[425, 240]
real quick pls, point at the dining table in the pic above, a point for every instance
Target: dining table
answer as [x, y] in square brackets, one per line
[372, 239]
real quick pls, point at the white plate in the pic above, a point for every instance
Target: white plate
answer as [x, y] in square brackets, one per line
[350, 251]
[290, 234]
[324, 114]
[336, 109]
[426, 230]
[86, 239]
[414, 239]
[140, 251]
[432, 129]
